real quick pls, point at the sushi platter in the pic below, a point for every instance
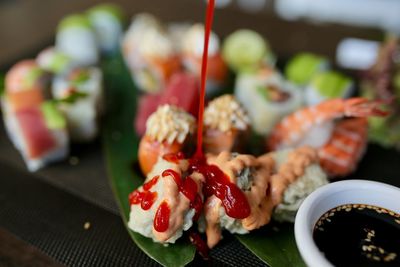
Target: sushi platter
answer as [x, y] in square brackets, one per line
[203, 137]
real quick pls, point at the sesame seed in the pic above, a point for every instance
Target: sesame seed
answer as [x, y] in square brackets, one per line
[376, 258]
[86, 226]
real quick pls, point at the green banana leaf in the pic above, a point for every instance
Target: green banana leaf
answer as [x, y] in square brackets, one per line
[120, 147]
[275, 245]
[275, 248]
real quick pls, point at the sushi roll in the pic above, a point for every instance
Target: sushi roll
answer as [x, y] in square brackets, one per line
[168, 130]
[302, 67]
[24, 85]
[192, 54]
[246, 51]
[226, 126]
[54, 61]
[297, 174]
[167, 203]
[80, 95]
[150, 54]
[267, 97]
[76, 39]
[328, 85]
[38, 132]
[251, 179]
[107, 21]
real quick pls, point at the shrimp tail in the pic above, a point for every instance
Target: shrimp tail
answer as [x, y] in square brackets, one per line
[362, 107]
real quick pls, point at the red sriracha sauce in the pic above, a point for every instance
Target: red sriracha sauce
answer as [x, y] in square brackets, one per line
[161, 219]
[174, 157]
[145, 198]
[174, 174]
[147, 186]
[148, 200]
[199, 243]
[207, 31]
[218, 184]
[188, 188]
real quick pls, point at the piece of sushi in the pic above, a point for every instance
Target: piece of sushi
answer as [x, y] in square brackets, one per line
[246, 51]
[192, 54]
[107, 21]
[80, 95]
[181, 91]
[168, 130]
[150, 54]
[141, 23]
[337, 128]
[303, 66]
[24, 85]
[38, 132]
[226, 125]
[267, 98]
[300, 167]
[251, 177]
[164, 206]
[76, 39]
[54, 61]
[328, 85]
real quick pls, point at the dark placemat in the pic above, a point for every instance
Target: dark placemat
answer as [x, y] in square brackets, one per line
[54, 221]
[82, 174]
[16, 253]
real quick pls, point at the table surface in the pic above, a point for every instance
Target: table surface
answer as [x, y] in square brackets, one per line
[42, 215]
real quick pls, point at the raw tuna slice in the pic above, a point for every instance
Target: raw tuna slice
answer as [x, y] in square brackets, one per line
[183, 91]
[146, 106]
[37, 136]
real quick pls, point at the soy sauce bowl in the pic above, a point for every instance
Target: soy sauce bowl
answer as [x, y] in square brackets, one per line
[331, 196]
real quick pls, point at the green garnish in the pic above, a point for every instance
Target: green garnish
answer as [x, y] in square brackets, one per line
[71, 98]
[32, 76]
[331, 84]
[53, 117]
[74, 21]
[302, 67]
[273, 94]
[264, 92]
[59, 62]
[81, 77]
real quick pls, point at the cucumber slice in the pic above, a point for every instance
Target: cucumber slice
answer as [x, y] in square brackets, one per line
[52, 116]
[245, 50]
[331, 84]
[302, 67]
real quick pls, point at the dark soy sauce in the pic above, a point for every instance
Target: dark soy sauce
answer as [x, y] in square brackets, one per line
[359, 235]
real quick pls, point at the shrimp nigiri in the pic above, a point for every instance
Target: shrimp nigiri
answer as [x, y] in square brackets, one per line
[340, 143]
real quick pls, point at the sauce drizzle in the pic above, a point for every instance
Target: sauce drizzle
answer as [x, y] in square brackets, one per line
[209, 21]
[161, 219]
[218, 184]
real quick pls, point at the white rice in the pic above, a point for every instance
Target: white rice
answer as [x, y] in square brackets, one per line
[313, 178]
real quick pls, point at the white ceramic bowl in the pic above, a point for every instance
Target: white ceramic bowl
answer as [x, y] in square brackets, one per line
[331, 196]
